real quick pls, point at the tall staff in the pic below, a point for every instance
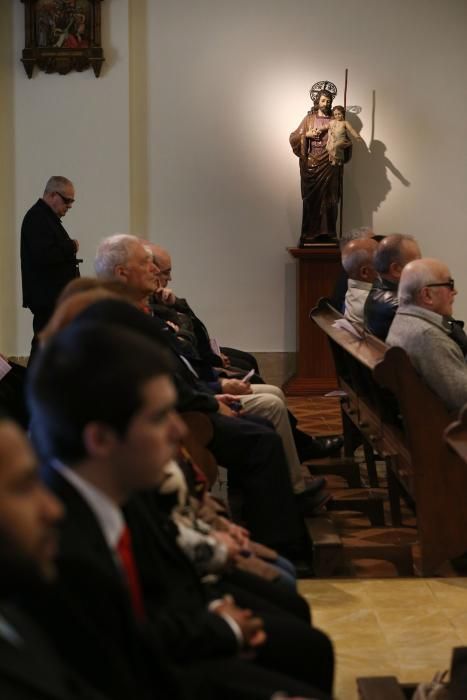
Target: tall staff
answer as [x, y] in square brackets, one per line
[341, 177]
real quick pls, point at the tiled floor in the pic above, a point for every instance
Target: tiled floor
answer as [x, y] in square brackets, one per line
[401, 627]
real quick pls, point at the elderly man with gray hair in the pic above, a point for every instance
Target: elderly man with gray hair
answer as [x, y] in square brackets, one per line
[424, 328]
[357, 261]
[128, 259]
[394, 253]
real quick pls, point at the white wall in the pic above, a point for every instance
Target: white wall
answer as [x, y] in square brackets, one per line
[75, 126]
[185, 138]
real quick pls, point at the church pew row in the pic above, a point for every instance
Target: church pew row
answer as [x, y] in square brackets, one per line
[388, 687]
[388, 406]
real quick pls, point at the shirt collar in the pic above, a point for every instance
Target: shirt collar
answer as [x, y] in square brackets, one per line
[9, 633]
[426, 314]
[109, 516]
[358, 284]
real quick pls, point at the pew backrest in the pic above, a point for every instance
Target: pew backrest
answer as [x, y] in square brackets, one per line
[404, 421]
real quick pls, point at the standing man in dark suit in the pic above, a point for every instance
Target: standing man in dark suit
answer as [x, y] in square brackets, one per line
[48, 254]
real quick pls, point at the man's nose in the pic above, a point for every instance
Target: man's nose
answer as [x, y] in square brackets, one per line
[53, 509]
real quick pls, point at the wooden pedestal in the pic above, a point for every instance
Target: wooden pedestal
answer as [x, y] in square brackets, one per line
[318, 270]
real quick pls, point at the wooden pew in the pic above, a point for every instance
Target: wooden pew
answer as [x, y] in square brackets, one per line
[403, 420]
[364, 403]
[437, 482]
[388, 687]
[383, 688]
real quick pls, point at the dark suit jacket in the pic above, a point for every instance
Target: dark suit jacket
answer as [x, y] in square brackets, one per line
[192, 394]
[32, 670]
[380, 307]
[48, 257]
[88, 614]
[176, 601]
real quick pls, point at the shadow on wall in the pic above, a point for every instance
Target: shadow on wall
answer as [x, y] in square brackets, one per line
[366, 182]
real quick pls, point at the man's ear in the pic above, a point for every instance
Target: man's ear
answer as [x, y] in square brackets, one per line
[365, 272]
[424, 296]
[120, 272]
[99, 440]
[395, 270]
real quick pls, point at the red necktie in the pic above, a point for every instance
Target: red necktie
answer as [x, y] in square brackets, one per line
[125, 553]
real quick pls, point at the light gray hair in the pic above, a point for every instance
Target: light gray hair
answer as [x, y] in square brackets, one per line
[56, 183]
[390, 250]
[413, 279]
[354, 234]
[112, 251]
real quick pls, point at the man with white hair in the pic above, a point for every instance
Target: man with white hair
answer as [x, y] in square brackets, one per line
[424, 327]
[357, 261]
[246, 445]
[127, 258]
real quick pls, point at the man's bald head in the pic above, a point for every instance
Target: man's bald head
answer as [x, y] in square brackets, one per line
[394, 253]
[357, 259]
[427, 283]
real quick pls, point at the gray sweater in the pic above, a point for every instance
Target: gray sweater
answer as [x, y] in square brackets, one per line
[424, 335]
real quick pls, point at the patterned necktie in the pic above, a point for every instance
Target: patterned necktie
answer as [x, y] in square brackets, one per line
[125, 553]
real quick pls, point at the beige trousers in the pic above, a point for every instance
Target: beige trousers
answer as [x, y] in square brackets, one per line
[268, 401]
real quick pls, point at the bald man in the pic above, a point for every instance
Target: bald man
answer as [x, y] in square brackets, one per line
[424, 327]
[357, 261]
[393, 254]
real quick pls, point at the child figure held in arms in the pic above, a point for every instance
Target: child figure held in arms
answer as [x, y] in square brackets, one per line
[338, 139]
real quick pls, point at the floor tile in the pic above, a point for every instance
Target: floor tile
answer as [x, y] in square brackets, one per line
[401, 627]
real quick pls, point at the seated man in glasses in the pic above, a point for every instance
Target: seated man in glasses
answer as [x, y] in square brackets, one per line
[48, 254]
[424, 327]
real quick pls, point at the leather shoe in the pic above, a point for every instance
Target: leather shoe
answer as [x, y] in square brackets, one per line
[314, 504]
[320, 447]
[312, 488]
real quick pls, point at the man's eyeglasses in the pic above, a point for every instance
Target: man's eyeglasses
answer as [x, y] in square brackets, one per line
[66, 200]
[450, 283]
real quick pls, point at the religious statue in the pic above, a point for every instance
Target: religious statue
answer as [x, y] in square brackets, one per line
[320, 169]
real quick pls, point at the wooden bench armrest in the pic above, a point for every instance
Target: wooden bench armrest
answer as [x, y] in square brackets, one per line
[380, 688]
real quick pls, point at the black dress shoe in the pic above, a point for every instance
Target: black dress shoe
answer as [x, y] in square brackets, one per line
[320, 447]
[316, 484]
[311, 505]
[300, 555]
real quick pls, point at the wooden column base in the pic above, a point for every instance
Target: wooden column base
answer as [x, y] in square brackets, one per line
[318, 269]
[312, 386]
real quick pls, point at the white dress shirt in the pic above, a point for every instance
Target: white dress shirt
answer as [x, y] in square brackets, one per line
[355, 298]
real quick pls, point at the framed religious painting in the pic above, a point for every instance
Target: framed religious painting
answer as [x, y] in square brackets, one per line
[62, 36]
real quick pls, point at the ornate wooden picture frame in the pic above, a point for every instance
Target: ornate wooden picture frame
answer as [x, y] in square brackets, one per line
[62, 35]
